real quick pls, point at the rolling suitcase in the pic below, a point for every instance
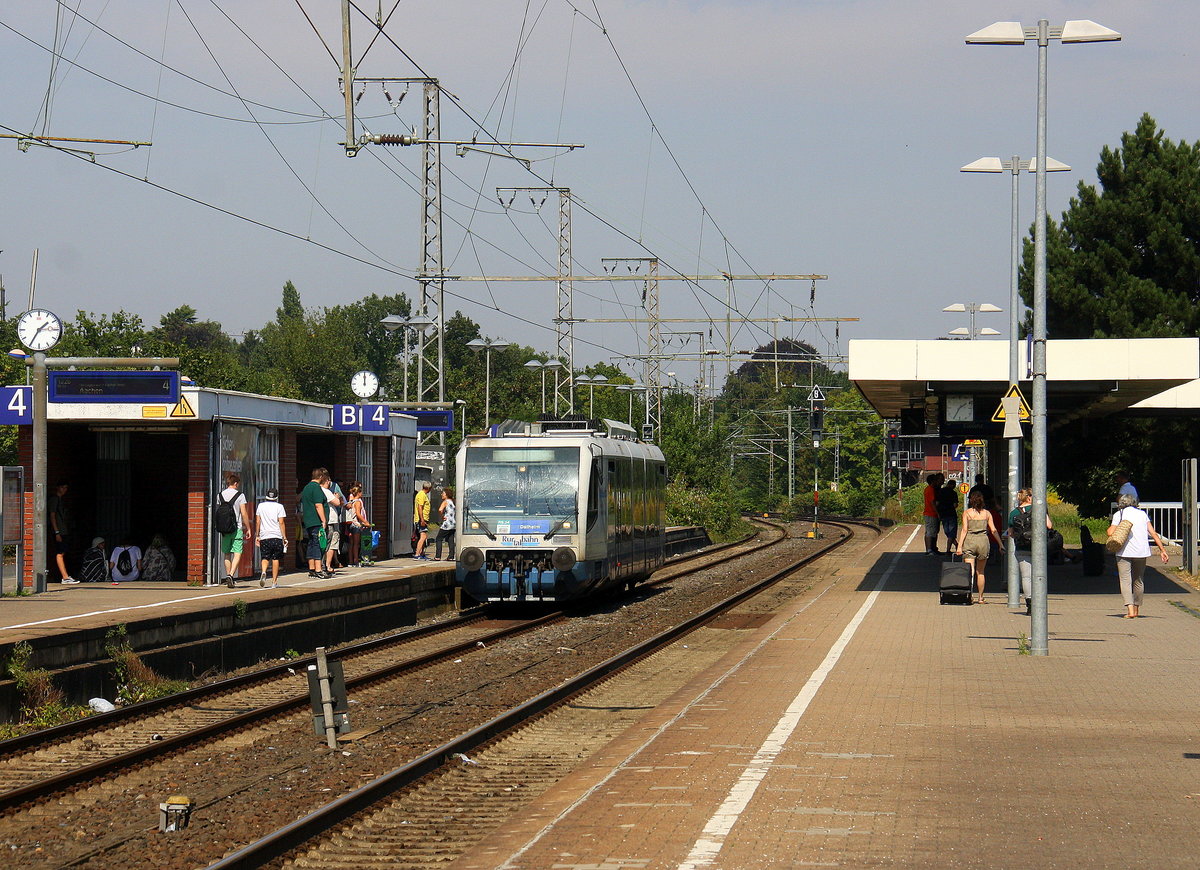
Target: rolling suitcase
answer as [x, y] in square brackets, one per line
[955, 582]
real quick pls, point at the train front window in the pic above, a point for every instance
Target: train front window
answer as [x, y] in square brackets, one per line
[539, 484]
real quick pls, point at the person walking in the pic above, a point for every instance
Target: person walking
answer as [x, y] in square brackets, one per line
[946, 501]
[973, 542]
[356, 517]
[421, 511]
[933, 483]
[312, 515]
[447, 526]
[272, 536]
[233, 541]
[1020, 529]
[1131, 558]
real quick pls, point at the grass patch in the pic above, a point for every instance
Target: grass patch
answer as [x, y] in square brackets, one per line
[42, 703]
[136, 681]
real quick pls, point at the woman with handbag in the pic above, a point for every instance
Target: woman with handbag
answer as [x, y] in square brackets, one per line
[1133, 551]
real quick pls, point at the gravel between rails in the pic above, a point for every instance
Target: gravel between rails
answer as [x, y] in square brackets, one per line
[250, 783]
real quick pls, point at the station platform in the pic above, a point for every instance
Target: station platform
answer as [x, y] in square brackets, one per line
[64, 608]
[184, 632]
[865, 725]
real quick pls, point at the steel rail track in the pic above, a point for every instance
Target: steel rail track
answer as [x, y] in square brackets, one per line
[220, 727]
[52, 785]
[307, 828]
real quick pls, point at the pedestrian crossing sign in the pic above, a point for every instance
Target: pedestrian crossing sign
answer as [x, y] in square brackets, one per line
[1014, 392]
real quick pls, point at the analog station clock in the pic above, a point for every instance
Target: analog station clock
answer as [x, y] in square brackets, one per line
[39, 329]
[960, 409]
[364, 384]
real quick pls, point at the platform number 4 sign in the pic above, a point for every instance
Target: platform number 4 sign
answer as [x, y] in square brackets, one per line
[16, 406]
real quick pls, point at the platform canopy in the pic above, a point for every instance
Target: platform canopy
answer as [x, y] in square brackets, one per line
[1084, 377]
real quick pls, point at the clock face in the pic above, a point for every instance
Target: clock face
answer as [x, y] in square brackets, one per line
[960, 409]
[364, 384]
[39, 329]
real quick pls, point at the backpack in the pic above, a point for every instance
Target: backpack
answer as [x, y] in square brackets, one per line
[1022, 529]
[125, 562]
[225, 520]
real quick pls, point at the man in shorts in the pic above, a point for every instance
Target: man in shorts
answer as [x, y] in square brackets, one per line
[312, 514]
[233, 543]
[272, 536]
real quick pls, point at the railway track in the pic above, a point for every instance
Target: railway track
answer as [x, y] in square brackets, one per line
[229, 735]
[43, 763]
[425, 813]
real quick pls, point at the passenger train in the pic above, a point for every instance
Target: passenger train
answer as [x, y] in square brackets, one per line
[560, 512]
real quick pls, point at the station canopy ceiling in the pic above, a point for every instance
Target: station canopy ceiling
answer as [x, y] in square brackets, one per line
[1084, 377]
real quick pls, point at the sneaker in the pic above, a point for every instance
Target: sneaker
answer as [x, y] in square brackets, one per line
[69, 581]
[313, 574]
[262, 580]
[324, 575]
[116, 583]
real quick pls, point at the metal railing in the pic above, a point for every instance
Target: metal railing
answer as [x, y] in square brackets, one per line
[1165, 516]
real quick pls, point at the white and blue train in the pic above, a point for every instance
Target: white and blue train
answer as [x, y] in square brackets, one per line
[559, 513]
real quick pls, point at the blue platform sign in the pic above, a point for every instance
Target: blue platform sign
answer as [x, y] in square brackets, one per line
[360, 418]
[960, 453]
[16, 406]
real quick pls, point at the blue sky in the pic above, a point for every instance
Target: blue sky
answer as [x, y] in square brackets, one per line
[804, 137]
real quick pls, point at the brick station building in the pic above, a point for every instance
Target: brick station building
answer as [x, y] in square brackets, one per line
[137, 470]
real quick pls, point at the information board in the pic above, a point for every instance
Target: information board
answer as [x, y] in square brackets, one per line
[131, 387]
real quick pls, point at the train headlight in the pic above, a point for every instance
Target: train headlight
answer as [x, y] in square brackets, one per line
[563, 559]
[471, 558]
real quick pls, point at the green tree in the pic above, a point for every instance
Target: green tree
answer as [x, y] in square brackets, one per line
[1124, 262]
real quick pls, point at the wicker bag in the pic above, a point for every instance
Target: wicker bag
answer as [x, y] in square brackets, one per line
[1119, 536]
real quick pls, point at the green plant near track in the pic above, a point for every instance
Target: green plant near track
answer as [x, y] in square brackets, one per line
[42, 703]
[136, 681]
[1023, 647]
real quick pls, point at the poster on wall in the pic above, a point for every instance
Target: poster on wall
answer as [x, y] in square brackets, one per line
[404, 457]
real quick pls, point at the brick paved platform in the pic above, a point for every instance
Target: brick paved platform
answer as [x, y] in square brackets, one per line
[867, 726]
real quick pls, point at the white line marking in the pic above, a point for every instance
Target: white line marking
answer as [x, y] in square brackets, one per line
[712, 839]
[240, 590]
[700, 700]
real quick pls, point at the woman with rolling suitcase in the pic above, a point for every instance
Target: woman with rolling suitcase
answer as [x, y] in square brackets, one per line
[974, 542]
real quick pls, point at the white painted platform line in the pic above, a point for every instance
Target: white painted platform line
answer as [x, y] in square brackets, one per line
[705, 850]
[700, 701]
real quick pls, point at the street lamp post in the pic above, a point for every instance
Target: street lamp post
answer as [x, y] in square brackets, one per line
[536, 364]
[592, 381]
[487, 345]
[1014, 167]
[408, 324]
[462, 415]
[973, 308]
[1014, 33]
[635, 387]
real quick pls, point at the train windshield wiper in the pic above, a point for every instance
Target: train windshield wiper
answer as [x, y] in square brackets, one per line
[482, 525]
[558, 525]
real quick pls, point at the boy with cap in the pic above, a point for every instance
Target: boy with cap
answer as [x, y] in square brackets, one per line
[272, 535]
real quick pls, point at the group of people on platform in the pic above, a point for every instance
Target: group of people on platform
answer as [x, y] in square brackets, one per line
[127, 561]
[976, 537]
[447, 522]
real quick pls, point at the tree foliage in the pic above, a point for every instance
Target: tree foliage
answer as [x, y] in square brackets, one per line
[1124, 262]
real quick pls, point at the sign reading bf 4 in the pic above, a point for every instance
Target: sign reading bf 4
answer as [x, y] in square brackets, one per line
[360, 418]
